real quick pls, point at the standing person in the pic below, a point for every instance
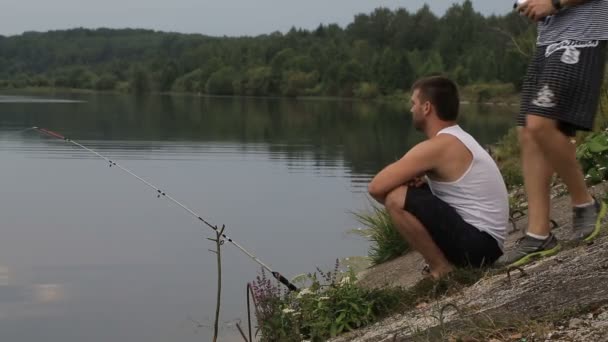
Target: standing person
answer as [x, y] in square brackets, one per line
[460, 217]
[560, 96]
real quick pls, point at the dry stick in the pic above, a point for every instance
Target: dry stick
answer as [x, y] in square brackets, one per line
[242, 333]
[218, 252]
[255, 306]
[513, 40]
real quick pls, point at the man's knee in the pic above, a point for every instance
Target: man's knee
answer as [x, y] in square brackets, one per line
[522, 135]
[536, 126]
[396, 199]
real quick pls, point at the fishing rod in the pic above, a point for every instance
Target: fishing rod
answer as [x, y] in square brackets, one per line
[161, 193]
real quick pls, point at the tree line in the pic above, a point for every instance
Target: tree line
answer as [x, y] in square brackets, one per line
[379, 53]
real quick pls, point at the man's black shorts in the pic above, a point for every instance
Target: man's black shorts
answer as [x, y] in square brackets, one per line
[563, 83]
[462, 244]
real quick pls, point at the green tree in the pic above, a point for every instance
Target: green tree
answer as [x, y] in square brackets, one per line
[139, 80]
[168, 75]
[106, 81]
[257, 81]
[297, 82]
[221, 82]
[349, 75]
[393, 71]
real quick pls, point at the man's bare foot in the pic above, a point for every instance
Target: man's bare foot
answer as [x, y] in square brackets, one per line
[438, 273]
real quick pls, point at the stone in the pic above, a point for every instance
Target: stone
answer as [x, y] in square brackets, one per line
[388, 338]
[575, 323]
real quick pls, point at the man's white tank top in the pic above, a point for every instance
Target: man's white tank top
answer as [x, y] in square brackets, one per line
[480, 195]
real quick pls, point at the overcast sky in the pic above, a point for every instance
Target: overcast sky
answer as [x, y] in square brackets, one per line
[211, 17]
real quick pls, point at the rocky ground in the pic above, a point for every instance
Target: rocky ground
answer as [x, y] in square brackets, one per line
[561, 298]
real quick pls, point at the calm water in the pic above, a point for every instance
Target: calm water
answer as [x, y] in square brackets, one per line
[88, 253]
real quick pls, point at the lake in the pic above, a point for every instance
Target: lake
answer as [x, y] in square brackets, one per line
[89, 253]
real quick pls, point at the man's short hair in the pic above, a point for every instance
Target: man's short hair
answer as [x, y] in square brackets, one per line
[442, 93]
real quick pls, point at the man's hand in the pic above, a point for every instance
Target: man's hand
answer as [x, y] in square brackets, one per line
[416, 162]
[536, 9]
[416, 182]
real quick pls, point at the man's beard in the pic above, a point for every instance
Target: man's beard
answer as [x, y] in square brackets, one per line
[419, 125]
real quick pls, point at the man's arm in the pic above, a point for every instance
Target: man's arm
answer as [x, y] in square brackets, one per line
[420, 159]
[539, 9]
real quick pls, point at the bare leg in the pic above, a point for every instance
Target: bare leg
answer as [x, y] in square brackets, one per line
[561, 155]
[537, 180]
[415, 234]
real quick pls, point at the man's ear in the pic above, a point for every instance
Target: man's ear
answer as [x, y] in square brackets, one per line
[427, 107]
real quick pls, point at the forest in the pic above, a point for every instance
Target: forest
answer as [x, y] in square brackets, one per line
[377, 54]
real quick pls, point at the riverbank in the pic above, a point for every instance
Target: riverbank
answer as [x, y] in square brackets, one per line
[561, 298]
[498, 94]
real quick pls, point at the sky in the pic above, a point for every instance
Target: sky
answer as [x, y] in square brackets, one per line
[209, 17]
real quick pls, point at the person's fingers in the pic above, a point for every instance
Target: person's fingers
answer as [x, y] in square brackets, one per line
[522, 7]
[527, 11]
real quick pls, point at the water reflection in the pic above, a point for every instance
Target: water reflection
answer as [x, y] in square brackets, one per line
[24, 100]
[364, 136]
[20, 299]
[9, 291]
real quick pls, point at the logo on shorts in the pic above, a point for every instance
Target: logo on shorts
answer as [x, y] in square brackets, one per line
[571, 48]
[571, 56]
[563, 45]
[545, 98]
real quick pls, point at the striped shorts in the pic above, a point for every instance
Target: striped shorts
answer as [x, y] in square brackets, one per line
[563, 83]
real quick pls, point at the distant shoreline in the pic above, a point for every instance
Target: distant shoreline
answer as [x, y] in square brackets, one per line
[468, 96]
